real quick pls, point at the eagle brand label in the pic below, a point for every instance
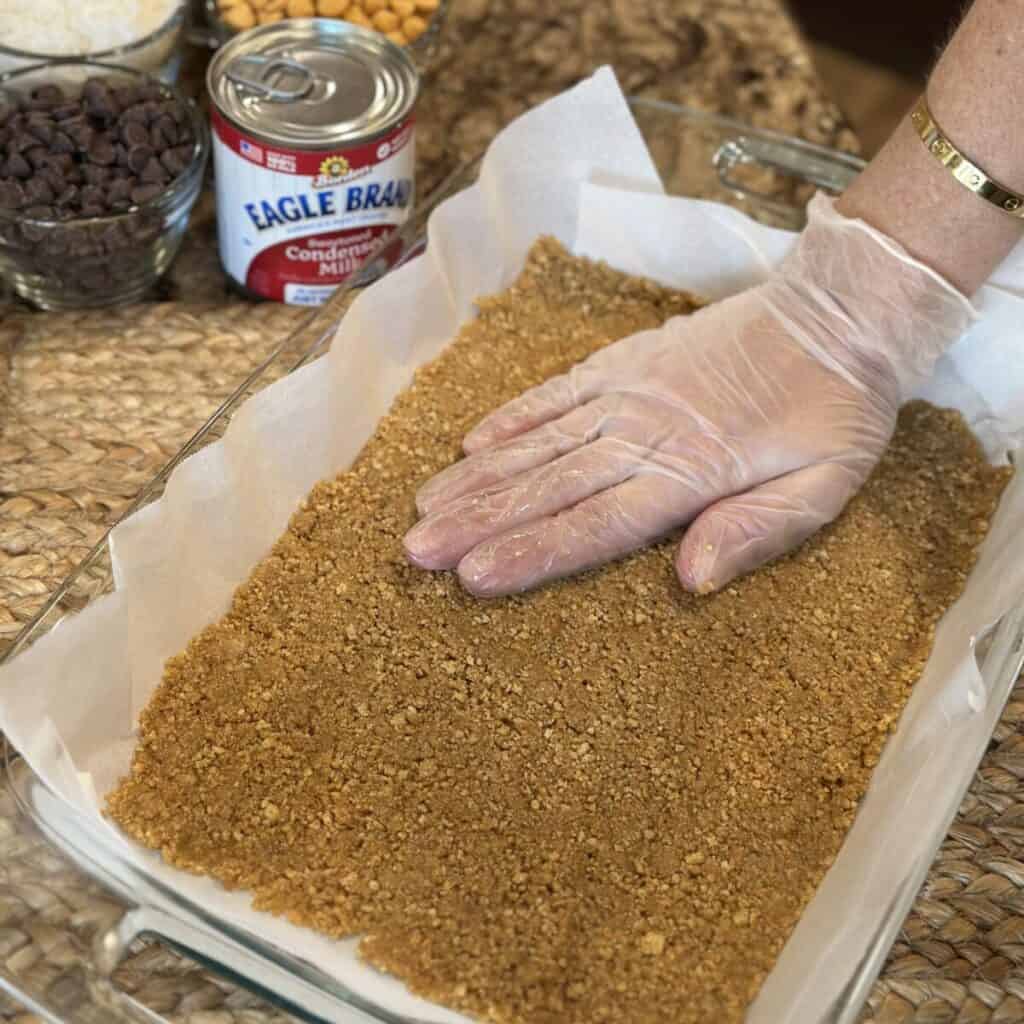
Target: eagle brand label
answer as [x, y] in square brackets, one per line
[294, 224]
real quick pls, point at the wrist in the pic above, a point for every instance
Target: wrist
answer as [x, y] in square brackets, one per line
[910, 197]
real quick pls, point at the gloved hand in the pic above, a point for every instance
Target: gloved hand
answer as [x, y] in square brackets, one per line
[754, 420]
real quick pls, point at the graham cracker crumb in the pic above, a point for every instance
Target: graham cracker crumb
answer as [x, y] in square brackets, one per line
[607, 800]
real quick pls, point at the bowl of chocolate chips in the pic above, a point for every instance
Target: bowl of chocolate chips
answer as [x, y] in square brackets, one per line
[99, 169]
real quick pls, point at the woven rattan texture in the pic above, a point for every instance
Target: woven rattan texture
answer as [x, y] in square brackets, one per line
[960, 956]
[93, 404]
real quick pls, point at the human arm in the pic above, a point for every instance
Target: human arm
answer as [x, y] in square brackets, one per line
[754, 421]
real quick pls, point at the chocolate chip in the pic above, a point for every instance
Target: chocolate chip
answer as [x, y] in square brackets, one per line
[153, 173]
[52, 179]
[21, 141]
[169, 130]
[92, 195]
[119, 189]
[94, 174]
[63, 162]
[139, 157]
[173, 162]
[70, 196]
[102, 152]
[134, 133]
[17, 166]
[122, 155]
[62, 143]
[126, 96]
[82, 136]
[93, 210]
[177, 111]
[38, 192]
[40, 211]
[36, 156]
[12, 195]
[98, 100]
[143, 193]
[135, 113]
[66, 112]
[42, 129]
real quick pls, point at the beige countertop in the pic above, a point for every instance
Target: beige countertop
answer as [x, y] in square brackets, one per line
[498, 57]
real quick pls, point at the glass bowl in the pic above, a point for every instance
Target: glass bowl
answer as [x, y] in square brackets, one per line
[103, 260]
[158, 52]
[422, 50]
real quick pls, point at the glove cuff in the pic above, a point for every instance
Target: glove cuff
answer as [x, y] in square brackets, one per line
[872, 297]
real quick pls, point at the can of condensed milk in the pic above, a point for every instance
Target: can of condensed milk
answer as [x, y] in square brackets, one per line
[313, 154]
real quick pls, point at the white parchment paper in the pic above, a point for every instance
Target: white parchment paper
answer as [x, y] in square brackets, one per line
[575, 168]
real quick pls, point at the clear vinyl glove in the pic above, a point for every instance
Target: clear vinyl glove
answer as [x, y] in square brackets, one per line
[754, 421]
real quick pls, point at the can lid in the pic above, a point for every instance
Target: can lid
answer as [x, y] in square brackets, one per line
[309, 82]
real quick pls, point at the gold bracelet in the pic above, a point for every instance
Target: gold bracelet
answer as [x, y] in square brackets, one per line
[969, 174]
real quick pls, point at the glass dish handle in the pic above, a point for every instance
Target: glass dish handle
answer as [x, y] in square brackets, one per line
[306, 999]
[802, 161]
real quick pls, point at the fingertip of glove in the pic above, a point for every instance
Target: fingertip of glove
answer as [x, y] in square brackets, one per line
[479, 439]
[695, 567]
[420, 548]
[426, 499]
[477, 577]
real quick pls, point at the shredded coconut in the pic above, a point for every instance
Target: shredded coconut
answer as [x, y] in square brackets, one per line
[77, 27]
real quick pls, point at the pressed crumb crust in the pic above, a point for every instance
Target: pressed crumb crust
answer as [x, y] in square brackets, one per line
[608, 800]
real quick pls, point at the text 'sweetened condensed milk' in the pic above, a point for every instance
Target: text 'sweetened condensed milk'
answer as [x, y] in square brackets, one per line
[313, 154]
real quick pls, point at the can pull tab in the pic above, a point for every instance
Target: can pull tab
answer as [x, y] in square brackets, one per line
[256, 72]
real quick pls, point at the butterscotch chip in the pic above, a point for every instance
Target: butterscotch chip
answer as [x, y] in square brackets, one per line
[300, 8]
[604, 801]
[356, 16]
[385, 21]
[398, 38]
[414, 27]
[268, 17]
[332, 8]
[403, 8]
[240, 16]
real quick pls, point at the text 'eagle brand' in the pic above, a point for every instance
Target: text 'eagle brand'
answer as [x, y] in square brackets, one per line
[314, 158]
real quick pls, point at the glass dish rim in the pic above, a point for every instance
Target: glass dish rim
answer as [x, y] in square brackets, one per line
[323, 322]
[177, 15]
[460, 176]
[184, 184]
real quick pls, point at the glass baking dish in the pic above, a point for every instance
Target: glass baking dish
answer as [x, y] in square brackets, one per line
[78, 924]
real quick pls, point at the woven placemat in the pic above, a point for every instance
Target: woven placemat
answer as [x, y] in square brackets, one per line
[92, 404]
